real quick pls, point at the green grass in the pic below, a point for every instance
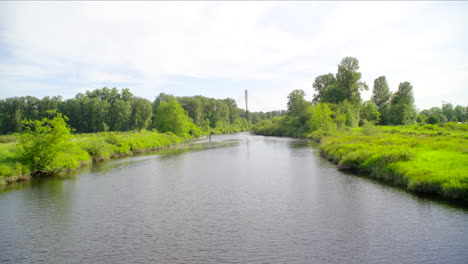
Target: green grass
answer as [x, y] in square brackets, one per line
[85, 148]
[423, 159]
[105, 145]
[10, 168]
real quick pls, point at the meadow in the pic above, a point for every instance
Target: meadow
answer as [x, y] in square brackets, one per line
[83, 149]
[425, 159]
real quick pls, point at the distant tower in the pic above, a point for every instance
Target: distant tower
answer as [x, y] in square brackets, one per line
[246, 101]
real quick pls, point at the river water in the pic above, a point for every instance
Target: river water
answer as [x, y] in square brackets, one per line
[238, 199]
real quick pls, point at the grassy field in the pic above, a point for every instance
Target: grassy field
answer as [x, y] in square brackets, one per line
[85, 149]
[427, 159]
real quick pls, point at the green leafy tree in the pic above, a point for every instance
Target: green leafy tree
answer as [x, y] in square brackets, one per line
[402, 110]
[437, 114]
[421, 119]
[369, 112]
[194, 108]
[296, 103]
[322, 118]
[449, 112]
[346, 114]
[299, 113]
[348, 80]
[233, 110]
[42, 141]
[381, 97]
[119, 115]
[433, 119]
[141, 112]
[461, 113]
[320, 85]
[171, 117]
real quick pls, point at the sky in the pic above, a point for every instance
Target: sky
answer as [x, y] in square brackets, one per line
[219, 49]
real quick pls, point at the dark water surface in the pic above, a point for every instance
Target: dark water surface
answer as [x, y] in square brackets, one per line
[240, 199]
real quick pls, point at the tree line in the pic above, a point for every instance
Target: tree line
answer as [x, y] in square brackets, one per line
[337, 103]
[108, 109]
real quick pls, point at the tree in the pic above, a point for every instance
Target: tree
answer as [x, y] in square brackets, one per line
[233, 110]
[296, 103]
[461, 113]
[194, 108]
[141, 112]
[433, 119]
[322, 118]
[348, 80]
[320, 85]
[449, 112]
[346, 114]
[402, 110]
[299, 113]
[369, 112]
[421, 119]
[381, 97]
[437, 115]
[41, 142]
[119, 115]
[171, 117]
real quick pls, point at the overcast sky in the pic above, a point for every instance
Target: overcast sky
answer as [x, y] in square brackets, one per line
[219, 49]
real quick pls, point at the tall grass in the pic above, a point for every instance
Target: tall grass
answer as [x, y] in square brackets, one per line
[85, 148]
[423, 159]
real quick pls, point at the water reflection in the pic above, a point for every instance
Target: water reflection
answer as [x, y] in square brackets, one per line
[238, 199]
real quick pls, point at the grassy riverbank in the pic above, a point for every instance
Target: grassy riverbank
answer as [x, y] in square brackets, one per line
[425, 159]
[83, 149]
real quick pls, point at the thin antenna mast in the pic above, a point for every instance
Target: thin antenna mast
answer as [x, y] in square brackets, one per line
[246, 101]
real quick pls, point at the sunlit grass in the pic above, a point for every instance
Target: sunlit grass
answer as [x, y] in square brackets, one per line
[425, 159]
[87, 147]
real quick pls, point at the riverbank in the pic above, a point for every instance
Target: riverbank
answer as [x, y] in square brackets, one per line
[85, 148]
[428, 160]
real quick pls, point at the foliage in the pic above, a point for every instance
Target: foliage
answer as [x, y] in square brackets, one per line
[10, 165]
[346, 85]
[402, 110]
[171, 117]
[348, 80]
[344, 110]
[322, 118]
[347, 114]
[368, 128]
[321, 84]
[370, 112]
[105, 109]
[449, 112]
[299, 114]
[45, 145]
[102, 146]
[78, 150]
[381, 97]
[461, 113]
[426, 159]
[433, 119]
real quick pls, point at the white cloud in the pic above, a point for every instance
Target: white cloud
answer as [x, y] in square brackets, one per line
[23, 70]
[145, 45]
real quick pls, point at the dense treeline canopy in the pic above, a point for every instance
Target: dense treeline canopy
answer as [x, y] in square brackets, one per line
[119, 110]
[337, 104]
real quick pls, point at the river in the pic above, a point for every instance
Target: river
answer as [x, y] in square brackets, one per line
[239, 199]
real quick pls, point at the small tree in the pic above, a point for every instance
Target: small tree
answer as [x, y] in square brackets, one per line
[370, 112]
[41, 142]
[381, 97]
[433, 119]
[322, 118]
[348, 80]
[171, 117]
[402, 110]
